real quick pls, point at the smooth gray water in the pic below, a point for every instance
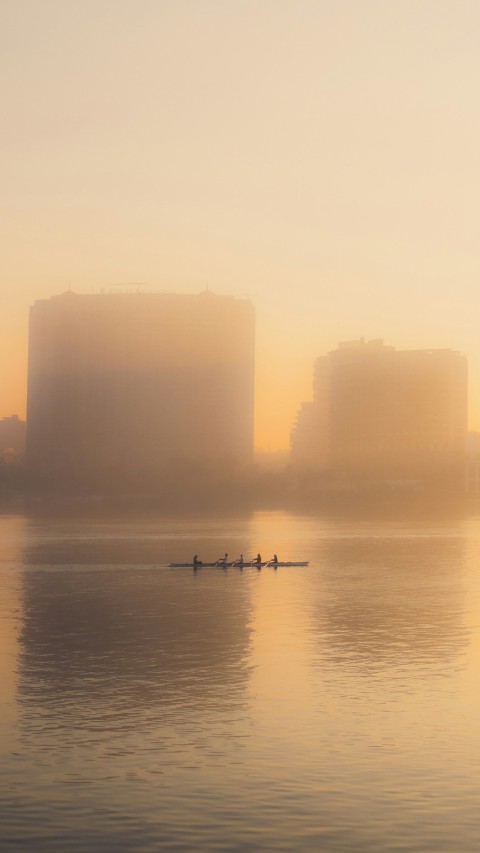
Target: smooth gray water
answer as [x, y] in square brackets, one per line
[334, 707]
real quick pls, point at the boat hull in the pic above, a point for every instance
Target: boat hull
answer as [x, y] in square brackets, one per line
[236, 565]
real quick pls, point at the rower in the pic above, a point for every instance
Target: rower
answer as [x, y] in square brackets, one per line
[222, 561]
[274, 560]
[259, 561]
[196, 561]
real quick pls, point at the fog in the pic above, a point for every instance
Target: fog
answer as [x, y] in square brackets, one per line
[150, 397]
[324, 184]
[315, 158]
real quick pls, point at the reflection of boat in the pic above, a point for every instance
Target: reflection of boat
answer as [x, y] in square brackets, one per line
[235, 565]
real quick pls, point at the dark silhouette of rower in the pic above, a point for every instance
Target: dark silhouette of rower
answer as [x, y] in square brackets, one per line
[196, 562]
[259, 561]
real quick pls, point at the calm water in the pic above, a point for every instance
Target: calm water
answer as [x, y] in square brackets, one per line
[334, 707]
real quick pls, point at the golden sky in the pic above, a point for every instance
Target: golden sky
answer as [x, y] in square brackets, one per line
[317, 156]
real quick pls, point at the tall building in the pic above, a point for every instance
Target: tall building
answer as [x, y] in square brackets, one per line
[383, 413]
[308, 450]
[122, 387]
[472, 468]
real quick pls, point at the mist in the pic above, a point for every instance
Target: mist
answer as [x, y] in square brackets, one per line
[239, 426]
[150, 397]
[317, 159]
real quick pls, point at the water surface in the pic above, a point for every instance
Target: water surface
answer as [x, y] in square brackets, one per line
[334, 707]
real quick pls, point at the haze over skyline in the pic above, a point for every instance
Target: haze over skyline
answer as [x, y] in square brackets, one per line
[318, 158]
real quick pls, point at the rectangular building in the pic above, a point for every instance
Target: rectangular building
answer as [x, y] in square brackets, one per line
[122, 387]
[382, 413]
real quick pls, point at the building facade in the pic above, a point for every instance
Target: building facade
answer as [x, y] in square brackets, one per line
[122, 387]
[387, 414]
[472, 467]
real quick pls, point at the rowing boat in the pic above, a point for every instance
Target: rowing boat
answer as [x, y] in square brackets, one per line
[235, 565]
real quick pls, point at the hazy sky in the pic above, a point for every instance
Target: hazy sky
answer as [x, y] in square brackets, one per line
[318, 156]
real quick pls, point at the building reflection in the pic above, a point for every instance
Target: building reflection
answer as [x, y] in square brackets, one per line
[103, 643]
[11, 531]
[392, 602]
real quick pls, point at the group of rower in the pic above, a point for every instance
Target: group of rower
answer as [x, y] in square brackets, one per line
[223, 561]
